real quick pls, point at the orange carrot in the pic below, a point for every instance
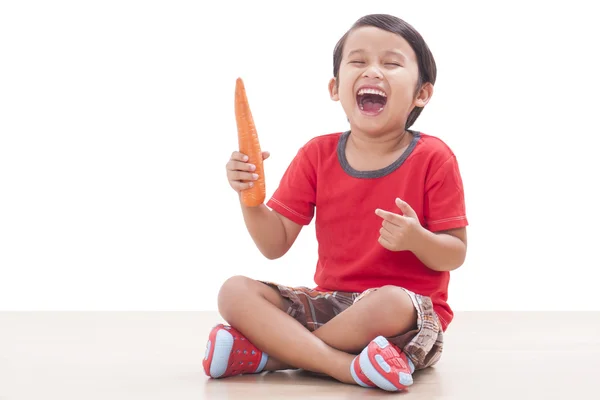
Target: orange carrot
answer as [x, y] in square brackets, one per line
[249, 145]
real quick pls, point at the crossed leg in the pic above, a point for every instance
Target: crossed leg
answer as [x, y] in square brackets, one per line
[258, 311]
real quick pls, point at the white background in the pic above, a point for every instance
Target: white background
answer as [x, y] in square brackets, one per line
[116, 121]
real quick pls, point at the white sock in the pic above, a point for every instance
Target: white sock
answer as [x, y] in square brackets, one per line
[263, 362]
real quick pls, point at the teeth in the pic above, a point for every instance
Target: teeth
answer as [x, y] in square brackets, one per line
[371, 91]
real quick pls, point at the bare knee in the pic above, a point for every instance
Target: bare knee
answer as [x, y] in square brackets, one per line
[231, 293]
[239, 291]
[391, 311]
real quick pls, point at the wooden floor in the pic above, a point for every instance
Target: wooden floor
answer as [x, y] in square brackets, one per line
[87, 356]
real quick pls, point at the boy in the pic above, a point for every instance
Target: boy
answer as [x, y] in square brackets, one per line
[390, 225]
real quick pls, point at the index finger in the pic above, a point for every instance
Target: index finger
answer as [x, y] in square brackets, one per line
[237, 156]
[389, 216]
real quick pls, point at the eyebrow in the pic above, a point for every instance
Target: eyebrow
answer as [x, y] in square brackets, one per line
[388, 52]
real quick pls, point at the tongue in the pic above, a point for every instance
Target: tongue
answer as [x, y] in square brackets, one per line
[370, 106]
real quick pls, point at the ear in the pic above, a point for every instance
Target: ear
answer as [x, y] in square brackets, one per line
[333, 90]
[424, 95]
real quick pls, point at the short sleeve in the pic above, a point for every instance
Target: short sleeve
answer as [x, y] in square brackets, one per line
[444, 203]
[295, 198]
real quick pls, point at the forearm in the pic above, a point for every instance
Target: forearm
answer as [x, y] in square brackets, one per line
[266, 229]
[440, 251]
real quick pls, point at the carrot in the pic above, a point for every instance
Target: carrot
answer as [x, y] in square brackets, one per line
[249, 145]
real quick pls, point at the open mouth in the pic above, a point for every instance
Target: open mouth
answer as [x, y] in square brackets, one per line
[371, 101]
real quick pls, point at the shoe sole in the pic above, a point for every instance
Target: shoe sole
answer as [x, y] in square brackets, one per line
[218, 352]
[357, 379]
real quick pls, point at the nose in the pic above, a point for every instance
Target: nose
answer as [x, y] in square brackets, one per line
[372, 71]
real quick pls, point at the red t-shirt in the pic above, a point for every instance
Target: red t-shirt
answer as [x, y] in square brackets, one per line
[350, 258]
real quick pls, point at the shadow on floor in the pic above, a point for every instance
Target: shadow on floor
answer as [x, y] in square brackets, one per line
[302, 384]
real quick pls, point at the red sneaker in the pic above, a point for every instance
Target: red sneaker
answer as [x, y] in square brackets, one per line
[385, 365]
[229, 353]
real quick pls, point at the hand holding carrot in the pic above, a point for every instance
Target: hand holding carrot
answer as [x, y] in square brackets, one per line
[240, 173]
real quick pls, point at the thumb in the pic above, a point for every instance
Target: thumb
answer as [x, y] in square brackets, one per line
[265, 155]
[406, 209]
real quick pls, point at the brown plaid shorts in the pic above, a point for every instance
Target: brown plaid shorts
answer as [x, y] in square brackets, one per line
[314, 308]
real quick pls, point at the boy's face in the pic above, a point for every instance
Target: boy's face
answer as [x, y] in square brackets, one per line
[377, 81]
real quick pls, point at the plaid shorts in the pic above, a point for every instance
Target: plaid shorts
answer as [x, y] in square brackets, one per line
[314, 308]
